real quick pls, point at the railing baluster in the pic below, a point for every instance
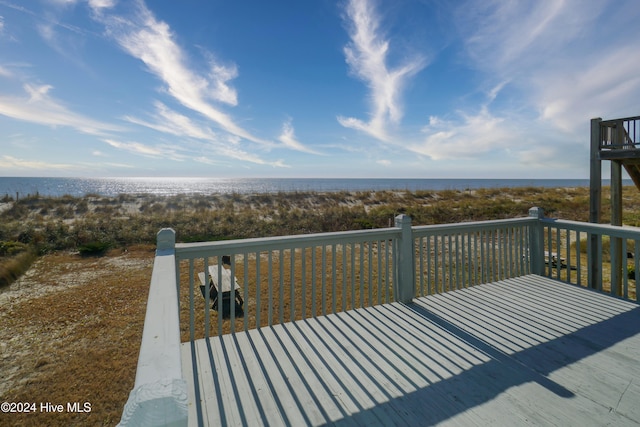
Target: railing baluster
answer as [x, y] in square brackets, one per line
[292, 285]
[270, 287]
[450, 253]
[463, 257]
[324, 280]
[314, 302]
[344, 277]
[258, 293]
[333, 279]
[549, 253]
[625, 270]
[207, 298]
[245, 289]
[370, 274]
[386, 268]
[482, 257]
[353, 275]
[379, 292]
[361, 245]
[568, 250]
[636, 259]
[558, 253]
[220, 299]
[303, 280]
[420, 265]
[192, 308]
[436, 266]
[475, 258]
[470, 262]
[578, 258]
[495, 260]
[232, 307]
[281, 286]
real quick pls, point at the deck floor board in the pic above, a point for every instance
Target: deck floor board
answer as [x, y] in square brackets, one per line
[523, 351]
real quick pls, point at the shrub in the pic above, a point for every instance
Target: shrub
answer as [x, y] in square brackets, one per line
[94, 248]
[12, 248]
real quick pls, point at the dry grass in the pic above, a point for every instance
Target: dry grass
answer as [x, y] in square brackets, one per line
[70, 332]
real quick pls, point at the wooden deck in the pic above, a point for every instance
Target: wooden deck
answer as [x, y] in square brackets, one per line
[525, 351]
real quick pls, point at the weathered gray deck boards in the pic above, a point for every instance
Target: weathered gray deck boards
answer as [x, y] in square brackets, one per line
[525, 351]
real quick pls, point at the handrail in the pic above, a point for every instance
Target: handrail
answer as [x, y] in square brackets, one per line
[624, 119]
[159, 396]
[196, 249]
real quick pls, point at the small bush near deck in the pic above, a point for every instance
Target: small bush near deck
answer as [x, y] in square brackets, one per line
[94, 248]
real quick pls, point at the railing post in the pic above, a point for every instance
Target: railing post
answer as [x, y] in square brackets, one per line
[159, 395]
[405, 271]
[616, 219]
[594, 254]
[536, 241]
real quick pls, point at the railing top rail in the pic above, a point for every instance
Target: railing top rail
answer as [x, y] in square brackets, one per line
[473, 225]
[187, 250]
[626, 231]
[613, 122]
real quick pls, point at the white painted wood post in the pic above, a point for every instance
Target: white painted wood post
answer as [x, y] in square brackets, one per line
[405, 272]
[159, 396]
[536, 242]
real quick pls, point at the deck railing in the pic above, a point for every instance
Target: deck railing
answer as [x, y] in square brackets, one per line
[620, 134]
[288, 278]
[294, 277]
[600, 256]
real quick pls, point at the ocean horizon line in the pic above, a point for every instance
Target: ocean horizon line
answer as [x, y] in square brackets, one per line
[167, 186]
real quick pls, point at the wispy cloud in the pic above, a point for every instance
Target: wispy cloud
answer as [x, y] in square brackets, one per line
[288, 138]
[159, 151]
[4, 72]
[152, 41]
[9, 162]
[551, 51]
[557, 71]
[171, 122]
[98, 5]
[39, 107]
[468, 136]
[366, 55]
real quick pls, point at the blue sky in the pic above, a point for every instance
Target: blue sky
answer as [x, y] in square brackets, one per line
[322, 88]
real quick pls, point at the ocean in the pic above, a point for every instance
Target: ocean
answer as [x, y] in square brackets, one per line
[56, 187]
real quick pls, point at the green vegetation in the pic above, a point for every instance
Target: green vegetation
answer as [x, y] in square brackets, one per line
[93, 224]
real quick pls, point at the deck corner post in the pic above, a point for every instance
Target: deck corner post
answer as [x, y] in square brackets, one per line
[166, 240]
[536, 241]
[404, 287]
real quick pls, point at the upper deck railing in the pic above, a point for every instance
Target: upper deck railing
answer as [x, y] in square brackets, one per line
[620, 134]
[288, 278]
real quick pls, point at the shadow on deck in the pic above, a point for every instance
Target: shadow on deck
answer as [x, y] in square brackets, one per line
[528, 350]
